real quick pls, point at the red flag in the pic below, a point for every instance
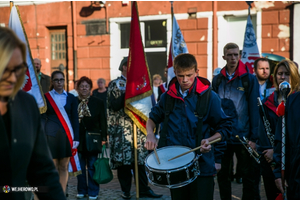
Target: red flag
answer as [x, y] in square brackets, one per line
[138, 86]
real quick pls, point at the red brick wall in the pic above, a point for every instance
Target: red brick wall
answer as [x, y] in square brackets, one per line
[93, 52]
[275, 30]
[195, 34]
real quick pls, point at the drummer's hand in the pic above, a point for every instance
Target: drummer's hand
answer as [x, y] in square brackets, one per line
[151, 142]
[206, 147]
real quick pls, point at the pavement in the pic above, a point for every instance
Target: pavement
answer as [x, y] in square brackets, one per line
[112, 191]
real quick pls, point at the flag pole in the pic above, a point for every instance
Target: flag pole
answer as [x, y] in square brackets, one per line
[136, 170]
[249, 12]
[11, 4]
[136, 162]
[172, 16]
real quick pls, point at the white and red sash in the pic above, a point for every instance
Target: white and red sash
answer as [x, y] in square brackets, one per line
[163, 87]
[74, 164]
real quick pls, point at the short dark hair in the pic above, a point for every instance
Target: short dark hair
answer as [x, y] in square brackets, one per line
[185, 61]
[52, 76]
[86, 79]
[230, 46]
[260, 59]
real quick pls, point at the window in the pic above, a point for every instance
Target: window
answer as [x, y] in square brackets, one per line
[154, 37]
[155, 33]
[58, 45]
[157, 63]
[125, 35]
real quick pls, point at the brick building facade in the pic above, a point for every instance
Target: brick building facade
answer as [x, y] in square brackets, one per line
[90, 38]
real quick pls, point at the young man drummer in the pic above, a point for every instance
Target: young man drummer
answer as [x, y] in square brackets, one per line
[184, 89]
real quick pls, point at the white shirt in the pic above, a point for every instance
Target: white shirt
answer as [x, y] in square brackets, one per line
[184, 94]
[62, 98]
[262, 89]
[74, 92]
[230, 76]
[155, 92]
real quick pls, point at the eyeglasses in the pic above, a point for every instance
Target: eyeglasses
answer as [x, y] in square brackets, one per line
[18, 70]
[58, 80]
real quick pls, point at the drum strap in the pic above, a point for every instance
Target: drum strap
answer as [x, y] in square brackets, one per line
[163, 134]
[201, 110]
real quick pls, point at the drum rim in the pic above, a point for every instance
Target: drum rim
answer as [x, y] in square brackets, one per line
[189, 163]
[177, 185]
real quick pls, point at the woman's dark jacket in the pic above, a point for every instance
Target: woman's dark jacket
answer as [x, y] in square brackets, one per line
[270, 105]
[292, 147]
[97, 122]
[51, 122]
[27, 157]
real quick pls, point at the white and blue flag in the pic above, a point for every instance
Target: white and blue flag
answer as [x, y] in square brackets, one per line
[178, 46]
[250, 49]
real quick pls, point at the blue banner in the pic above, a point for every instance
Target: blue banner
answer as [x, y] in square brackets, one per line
[178, 43]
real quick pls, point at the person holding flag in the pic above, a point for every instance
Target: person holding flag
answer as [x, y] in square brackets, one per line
[120, 131]
[24, 151]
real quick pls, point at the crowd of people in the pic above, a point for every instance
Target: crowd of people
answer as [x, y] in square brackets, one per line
[52, 145]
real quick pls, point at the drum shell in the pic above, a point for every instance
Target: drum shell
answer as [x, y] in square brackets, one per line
[178, 177]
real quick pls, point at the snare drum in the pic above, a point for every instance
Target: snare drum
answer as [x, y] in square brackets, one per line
[175, 173]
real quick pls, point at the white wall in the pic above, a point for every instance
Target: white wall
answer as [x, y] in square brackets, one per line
[234, 30]
[296, 34]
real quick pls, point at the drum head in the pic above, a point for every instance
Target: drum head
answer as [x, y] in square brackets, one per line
[167, 153]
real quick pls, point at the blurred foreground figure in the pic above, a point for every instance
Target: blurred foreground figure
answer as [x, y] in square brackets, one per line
[24, 152]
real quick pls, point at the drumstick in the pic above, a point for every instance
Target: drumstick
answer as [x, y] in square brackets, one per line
[195, 149]
[156, 155]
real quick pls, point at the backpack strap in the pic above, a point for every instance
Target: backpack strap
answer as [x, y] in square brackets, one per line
[245, 83]
[163, 133]
[219, 80]
[201, 110]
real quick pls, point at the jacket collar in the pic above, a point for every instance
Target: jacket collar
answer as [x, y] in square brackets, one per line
[199, 86]
[271, 102]
[239, 72]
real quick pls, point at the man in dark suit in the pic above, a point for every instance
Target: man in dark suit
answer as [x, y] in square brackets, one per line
[43, 78]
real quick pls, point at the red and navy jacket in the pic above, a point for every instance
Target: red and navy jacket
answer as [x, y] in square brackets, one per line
[292, 147]
[270, 105]
[247, 109]
[182, 124]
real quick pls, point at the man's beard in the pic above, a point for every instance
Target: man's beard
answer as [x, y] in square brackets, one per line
[261, 78]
